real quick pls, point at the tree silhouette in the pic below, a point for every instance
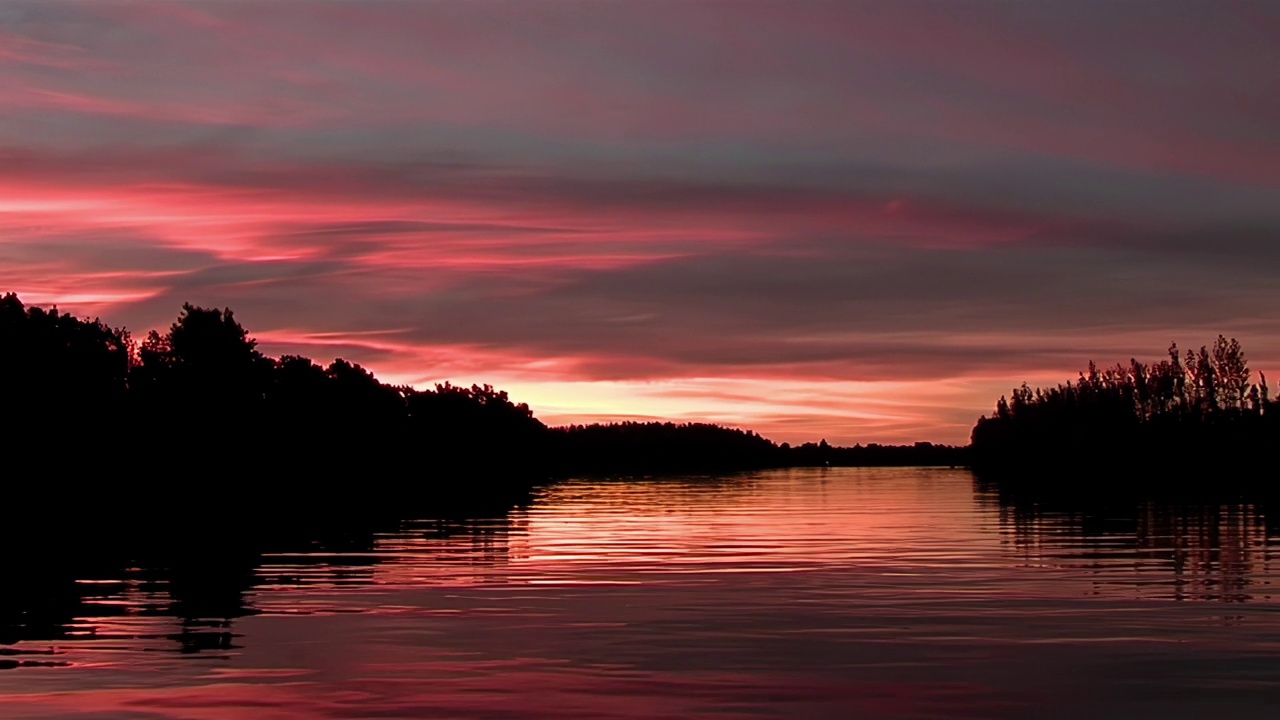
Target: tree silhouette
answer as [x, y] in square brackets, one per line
[211, 419]
[208, 360]
[1191, 413]
[61, 378]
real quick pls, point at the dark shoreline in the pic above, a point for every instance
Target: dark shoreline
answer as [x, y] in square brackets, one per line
[199, 412]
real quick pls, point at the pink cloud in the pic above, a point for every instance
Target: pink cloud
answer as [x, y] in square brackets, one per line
[612, 208]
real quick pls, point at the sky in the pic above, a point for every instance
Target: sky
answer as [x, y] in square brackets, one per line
[854, 221]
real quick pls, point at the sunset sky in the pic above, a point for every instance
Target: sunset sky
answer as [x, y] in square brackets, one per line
[857, 221]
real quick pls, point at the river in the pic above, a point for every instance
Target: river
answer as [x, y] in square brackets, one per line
[815, 593]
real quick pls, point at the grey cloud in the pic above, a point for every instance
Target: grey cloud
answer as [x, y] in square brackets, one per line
[103, 251]
[1024, 190]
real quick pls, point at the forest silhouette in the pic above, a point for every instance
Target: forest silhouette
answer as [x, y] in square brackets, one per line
[199, 411]
[1186, 420]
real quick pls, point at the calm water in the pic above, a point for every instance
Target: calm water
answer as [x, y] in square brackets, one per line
[800, 594]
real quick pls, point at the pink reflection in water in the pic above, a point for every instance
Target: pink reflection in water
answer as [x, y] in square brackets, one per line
[832, 594]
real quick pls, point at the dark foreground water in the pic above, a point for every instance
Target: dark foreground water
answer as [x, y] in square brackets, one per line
[798, 594]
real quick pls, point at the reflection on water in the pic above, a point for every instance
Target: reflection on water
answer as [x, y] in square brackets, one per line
[1217, 551]
[123, 598]
[807, 593]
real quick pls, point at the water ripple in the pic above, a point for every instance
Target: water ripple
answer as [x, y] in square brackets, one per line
[807, 593]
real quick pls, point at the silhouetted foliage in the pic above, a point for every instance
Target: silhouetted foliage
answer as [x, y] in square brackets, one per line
[658, 447]
[61, 378]
[1195, 412]
[921, 454]
[200, 411]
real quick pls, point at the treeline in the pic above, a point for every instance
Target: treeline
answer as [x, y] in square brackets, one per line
[661, 447]
[1201, 411]
[200, 407]
[875, 455]
[200, 410]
